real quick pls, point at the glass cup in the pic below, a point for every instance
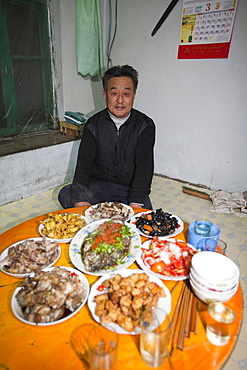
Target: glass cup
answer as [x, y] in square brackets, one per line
[102, 346]
[155, 334]
[219, 323]
[214, 245]
[203, 227]
[221, 247]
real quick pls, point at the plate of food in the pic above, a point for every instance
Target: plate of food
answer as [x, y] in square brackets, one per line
[105, 210]
[168, 259]
[117, 299]
[62, 227]
[157, 223]
[64, 292]
[104, 246]
[28, 256]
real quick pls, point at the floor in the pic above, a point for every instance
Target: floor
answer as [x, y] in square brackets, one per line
[166, 194]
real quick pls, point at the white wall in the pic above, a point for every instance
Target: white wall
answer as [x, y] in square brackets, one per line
[83, 94]
[34, 171]
[199, 106]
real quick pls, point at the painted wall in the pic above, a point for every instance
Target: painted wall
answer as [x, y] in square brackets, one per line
[199, 106]
[34, 171]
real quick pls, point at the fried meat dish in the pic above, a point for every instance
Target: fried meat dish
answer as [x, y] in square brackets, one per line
[126, 299]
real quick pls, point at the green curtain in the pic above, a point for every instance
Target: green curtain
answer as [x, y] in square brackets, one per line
[89, 44]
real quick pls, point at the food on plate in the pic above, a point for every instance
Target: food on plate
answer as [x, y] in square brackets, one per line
[50, 295]
[62, 226]
[107, 246]
[109, 210]
[125, 298]
[157, 223]
[30, 256]
[167, 257]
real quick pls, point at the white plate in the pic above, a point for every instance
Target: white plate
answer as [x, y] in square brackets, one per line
[5, 254]
[18, 311]
[164, 302]
[90, 209]
[41, 227]
[176, 232]
[146, 268]
[77, 241]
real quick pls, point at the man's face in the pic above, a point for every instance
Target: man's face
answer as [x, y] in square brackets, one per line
[119, 96]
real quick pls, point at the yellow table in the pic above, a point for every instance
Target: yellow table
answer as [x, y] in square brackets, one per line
[31, 347]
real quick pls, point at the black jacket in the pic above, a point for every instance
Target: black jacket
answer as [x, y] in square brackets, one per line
[123, 157]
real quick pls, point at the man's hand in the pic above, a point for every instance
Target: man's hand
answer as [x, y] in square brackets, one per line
[82, 204]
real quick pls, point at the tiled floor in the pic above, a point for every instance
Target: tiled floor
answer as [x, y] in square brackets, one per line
[166, 194]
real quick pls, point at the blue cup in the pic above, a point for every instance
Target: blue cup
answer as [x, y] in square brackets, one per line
[198, 241]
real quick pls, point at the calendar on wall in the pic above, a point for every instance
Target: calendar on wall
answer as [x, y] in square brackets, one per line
[206, 29]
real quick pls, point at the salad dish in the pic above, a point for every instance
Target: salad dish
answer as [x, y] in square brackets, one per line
[50, 297]
[119, 298]
[157, 223]
[30, 255]
[105, 245]
[168, 259]
[113, 210]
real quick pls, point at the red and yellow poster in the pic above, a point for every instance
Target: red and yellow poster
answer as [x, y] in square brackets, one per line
[206, 29]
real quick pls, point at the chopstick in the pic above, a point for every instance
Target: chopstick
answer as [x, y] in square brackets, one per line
[184, 320]
[175, 318]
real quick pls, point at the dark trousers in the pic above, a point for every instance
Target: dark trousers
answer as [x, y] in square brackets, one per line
[101, 191]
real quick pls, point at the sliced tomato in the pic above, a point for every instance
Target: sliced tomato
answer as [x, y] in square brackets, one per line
[149, 260]
[158, 266]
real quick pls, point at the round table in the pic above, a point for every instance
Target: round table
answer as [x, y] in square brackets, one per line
[24, 346]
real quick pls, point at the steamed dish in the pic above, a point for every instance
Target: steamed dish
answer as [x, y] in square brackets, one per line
[107, 246]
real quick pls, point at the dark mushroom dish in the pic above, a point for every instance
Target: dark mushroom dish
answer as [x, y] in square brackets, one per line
[157, 223]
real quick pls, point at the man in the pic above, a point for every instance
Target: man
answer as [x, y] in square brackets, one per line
[115, 158]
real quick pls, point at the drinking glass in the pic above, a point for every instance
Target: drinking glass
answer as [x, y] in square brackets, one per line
[203, 227]
[214, 245]
[219, 323]
[102, 346]
[155, 334]
[221, 247]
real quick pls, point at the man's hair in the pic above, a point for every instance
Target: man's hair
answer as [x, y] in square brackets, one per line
[120, 71]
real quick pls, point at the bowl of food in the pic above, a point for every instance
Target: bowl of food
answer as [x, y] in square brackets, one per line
[64, 293]
[126, 288]
[104, 246]
[29, 256]
[106, 210]
[62, 227]
[168, 259]
[157, 223]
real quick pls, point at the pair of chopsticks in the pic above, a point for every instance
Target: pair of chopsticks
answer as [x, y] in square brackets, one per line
[184, 320]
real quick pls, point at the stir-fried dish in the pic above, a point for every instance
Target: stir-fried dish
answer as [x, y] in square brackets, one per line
[157, 223]
[125, 298]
